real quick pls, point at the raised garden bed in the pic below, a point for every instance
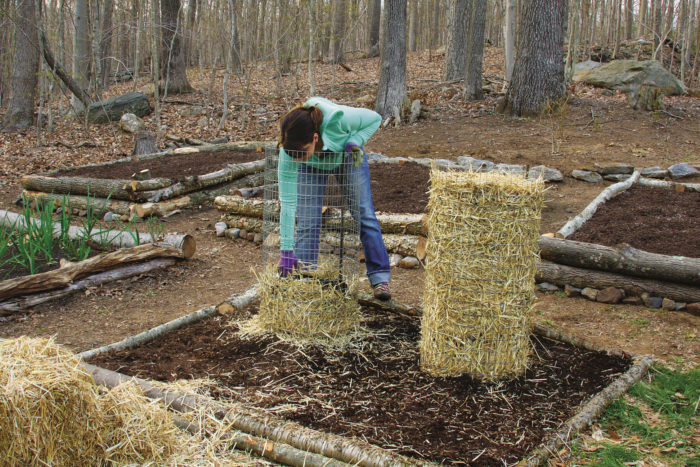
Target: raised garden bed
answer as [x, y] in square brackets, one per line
[155, 184]
[375, 390]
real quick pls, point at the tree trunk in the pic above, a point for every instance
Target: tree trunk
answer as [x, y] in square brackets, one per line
[629, 16]
[106, 42]
[81, 50]
[538, 74]
[456, 49]
[412, 25]
[189, 32]
[509, 38]
[25, 68]
[375, 14]
[391, 91]
[173, 66]
[340, 8]
[473, 71]
[78, 92]
[658, 13]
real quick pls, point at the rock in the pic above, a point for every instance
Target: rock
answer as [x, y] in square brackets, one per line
[224, 309]
[616, 177]
[415, 111]
[409, 262]
[680, 306]
[232, 233]
[220, 228]
[693, 308]
[652, 302]
[222, 140]
[632, 301]
[367, 99]
[613, 168]
[445, 163]
[243, 233]
[375, 156]
[589, 292]
[203, 121]
[110, 216]
[250, 237]
[611, 295]
[547, 174]
[513, 169]
[586, 176]
[668, 304]
[193, 111]
[130, 123]
[394, 260]
[258, 237]
[585, 66]
[572, 291]
[629, 75]
[111, 110]
[653, 172]
[682, 170]
[646, 97]
[548, 287]
[475, 165]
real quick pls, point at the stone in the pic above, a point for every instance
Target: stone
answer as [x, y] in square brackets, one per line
[652, 302]
[375, 156]
[513, 169]
[110, 216]
[409, 262]
[445, 163]
[681, 306]
[548, 287]
[693, 308]
[250, 237]
[394, 260]
[258, 237]
[203, 121]
[130, 123]
[111, 110]
[243, 233]
[589, 292]
[547, 174]
[682, 170]
[415, 111]
[587, 65]
[220, 228]
[632, 301]
[668, 304]
[611, 295]
[629, 75]
[194, 111]
[586, 176]
[232, 233]
[475, 165]
[572, 291]
[613, 168]
[616, 177]
[653, 172]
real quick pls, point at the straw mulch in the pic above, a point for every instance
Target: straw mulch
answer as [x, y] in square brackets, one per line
[481, 262]
[315, 306]
[52, 413]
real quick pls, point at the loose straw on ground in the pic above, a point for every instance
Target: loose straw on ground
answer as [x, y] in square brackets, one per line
[481, 263]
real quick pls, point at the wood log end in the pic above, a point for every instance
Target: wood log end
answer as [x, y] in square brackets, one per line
[549, 234]
[421, 248]
[189, 246]
[225, 309]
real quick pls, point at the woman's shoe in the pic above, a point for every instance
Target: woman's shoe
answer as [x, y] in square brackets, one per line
[381, 291]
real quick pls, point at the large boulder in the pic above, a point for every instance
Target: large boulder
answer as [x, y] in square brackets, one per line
[629, 75]
[111, 110]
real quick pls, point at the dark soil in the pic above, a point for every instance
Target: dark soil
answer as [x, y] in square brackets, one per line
[400, 188]
[377, 392]
[176, 167]
[41, 264]
[650, 219]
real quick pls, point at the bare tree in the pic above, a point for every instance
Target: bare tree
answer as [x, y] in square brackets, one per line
[173, 67]
[375, 14]
[475, 51]
[412, 25]
[455, 52]
[81, 49]
[538, 74]
[391, 91]
[106, 42]
[25, 66]
[509, 37]
[340, 8]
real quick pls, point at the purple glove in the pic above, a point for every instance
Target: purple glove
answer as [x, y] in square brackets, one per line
[288, 261]
[357, 151]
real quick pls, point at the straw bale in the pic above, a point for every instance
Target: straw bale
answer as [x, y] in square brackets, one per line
[311, 305]
[481, 262]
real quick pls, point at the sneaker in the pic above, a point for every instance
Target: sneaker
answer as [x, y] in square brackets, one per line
[381, 291]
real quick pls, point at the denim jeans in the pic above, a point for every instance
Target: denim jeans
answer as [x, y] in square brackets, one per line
[311, 188]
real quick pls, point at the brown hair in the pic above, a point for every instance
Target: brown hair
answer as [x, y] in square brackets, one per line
[297, 127]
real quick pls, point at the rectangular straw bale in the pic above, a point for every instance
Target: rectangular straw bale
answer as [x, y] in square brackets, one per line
[480, 268]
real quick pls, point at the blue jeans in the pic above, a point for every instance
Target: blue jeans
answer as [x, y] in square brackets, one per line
[311, 188]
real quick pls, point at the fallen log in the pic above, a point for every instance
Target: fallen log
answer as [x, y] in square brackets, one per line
[252, 224]
[669, 185]
[22, 303]
[63, 276]
[99, 205]
[575, 223]
[578, 277]
[107, 237]
[134, 186]
[228, 174]
[624, 260]
[95, 187]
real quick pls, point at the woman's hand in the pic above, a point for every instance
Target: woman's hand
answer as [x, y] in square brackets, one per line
[357, 151]
[288, 261]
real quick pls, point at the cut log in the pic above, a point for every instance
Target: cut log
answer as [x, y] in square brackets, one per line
[95, 187]
[99, 205]
[575, 223]
[624, 260]
[562, 275]
[144, 143]
[18, 304]
[669, 185]
[162, 208]
[251, 224]
[114, 238]
[196, 183]
[245, 206]
[132, 186]
[62, 277]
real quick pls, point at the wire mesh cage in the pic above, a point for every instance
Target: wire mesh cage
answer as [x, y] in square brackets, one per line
[481, 262]
[311, 210]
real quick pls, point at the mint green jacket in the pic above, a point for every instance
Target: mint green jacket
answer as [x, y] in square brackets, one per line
[341, 125]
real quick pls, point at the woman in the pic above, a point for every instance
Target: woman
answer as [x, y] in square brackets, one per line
[317, 139]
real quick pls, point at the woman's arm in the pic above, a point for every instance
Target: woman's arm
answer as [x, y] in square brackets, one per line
[287, 187]
[343, 124]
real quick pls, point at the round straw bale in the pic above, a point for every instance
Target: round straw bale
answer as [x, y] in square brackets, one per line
[480, 267]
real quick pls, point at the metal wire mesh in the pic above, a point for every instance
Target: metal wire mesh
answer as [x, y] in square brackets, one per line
[481, 262]
[322, 227]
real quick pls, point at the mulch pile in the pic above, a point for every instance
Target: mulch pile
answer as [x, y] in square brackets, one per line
[376, 390]
[650, 219]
